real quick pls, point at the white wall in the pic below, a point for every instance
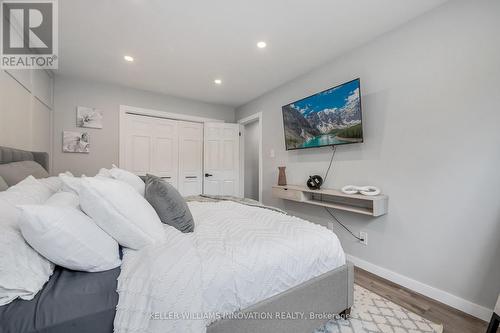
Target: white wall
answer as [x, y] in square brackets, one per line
[104, 143]
[252, 160]
[431, 112]
[25, 121]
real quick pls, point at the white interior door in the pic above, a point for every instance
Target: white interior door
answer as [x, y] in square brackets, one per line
[221, 159]
[190, 158]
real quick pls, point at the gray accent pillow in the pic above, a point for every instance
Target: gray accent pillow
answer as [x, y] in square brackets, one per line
[3, 184]
[169, 204]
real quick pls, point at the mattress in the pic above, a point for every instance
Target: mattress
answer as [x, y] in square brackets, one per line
[71, 301]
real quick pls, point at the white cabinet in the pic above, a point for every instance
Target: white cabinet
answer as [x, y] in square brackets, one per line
[170, 149]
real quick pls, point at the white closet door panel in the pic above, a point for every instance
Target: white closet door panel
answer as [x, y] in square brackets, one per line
[227, 157]
[212, 187]
[211, 154]
[229, 188]
[190, 187]
[190, 158]
[221, 159]
[165, 156]
[138, 144]
[191, 155]
[140, 154]
[138, 124]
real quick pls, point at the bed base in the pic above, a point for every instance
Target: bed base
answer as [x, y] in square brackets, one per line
[330, 293]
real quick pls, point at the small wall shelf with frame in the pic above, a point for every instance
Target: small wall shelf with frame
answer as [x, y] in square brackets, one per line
[356, 203]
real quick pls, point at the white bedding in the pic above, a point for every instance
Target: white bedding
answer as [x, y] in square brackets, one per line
[23, 271]
[236, 257]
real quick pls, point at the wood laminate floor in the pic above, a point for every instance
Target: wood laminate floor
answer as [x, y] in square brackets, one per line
[454, 321]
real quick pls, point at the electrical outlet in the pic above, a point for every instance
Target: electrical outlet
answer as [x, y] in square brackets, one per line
[364, 236]
[330, 226]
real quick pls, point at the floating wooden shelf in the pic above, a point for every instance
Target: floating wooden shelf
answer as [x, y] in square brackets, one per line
[356, 203]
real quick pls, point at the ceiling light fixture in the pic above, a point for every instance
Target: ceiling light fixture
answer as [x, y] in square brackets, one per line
[261, 45]
[128, 58]
[218, 81]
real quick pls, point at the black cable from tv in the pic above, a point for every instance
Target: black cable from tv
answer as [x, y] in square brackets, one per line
[334, 148]
[346, 228]
[330, 165]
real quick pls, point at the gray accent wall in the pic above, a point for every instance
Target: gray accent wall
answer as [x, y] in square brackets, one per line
[431, 112]
[104, 143]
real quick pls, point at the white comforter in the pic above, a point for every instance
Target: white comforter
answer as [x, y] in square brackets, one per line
[237, 256]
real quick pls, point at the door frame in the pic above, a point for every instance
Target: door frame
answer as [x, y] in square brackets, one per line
[127, 109]
[245, 121]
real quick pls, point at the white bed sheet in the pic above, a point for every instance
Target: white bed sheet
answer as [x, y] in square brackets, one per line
[237, 256]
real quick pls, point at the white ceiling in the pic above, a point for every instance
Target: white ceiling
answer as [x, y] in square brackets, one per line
[181, 46]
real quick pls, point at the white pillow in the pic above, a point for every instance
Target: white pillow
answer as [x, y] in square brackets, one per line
[120, 211]
[23, 271]
[70, 183]
[27, 191]
[73, 184]
[53, 183]
[68, 237]
[129, 178]
[103, 172]
[64, 199]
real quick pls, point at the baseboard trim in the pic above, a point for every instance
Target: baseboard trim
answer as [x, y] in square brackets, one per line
[442, 296]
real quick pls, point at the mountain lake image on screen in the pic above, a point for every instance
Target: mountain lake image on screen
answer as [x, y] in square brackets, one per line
[331, 117]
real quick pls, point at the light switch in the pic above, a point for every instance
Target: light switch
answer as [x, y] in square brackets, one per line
[272, 154]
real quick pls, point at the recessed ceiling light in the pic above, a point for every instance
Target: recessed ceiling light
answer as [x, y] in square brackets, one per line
[128, 58]
[218, 81]
[261, 45]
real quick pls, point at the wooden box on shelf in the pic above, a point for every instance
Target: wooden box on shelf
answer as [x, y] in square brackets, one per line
[357, 203]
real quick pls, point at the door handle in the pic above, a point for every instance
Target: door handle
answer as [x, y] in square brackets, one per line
[208, 175]
[166, 177]
[191, 177]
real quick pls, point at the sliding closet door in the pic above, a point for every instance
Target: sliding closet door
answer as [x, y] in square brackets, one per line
[152, 146]
[190, 158]
[138, 144]
[165, 154]
[221, 141]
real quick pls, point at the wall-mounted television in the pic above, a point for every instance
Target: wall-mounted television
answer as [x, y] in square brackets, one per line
[330, 117]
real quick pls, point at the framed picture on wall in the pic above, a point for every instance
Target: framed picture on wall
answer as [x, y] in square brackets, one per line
[76, 142]
[88, 117]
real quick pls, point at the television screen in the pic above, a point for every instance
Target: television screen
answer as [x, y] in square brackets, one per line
[331, 117]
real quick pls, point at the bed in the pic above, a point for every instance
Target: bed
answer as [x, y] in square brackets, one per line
[85, 302]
